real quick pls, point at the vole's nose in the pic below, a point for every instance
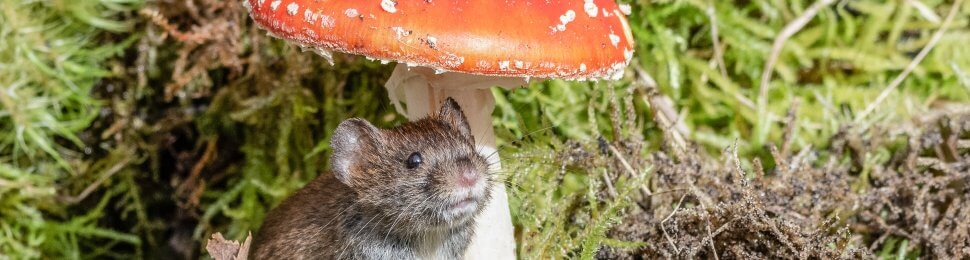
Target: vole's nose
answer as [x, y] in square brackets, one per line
[469, 177]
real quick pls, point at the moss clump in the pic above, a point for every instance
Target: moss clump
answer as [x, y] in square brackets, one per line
[52, 54]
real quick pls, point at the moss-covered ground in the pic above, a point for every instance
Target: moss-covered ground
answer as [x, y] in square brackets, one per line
[137, 128]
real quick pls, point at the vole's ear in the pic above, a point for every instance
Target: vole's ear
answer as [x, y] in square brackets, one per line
[353, 137]
[451, 113]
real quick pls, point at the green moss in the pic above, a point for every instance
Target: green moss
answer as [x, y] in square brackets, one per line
[51, 55]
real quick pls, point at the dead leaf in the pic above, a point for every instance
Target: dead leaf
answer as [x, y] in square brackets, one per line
[221, 249]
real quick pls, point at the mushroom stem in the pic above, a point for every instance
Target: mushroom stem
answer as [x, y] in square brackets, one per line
[423, 90]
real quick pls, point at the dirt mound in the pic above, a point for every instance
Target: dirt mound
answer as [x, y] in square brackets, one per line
[901, 189]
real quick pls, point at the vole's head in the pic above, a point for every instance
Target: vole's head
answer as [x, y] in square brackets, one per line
[423, 174]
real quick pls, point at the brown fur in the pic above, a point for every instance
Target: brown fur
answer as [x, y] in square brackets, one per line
[371, 206]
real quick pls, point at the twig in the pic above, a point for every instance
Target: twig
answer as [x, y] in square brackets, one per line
[104, 177]
[715, 39]
[619, 156]
[790, 29]
[924, 11]
[915, 62]
[664, 229]
[609, 185]
[737, 163]
[664, 113]
[710, 236]
[797, 160]
[719, 230]
[790, 125]
[626, 165]
[190, 185]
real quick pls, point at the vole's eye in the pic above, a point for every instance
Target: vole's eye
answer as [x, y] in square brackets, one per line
[414, 160]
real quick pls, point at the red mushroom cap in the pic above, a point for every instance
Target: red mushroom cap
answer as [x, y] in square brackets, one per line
[521, 38]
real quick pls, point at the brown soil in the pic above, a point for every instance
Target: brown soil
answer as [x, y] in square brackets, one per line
[806, 207]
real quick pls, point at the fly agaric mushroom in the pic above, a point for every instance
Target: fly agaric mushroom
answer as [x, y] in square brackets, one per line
[460, 49]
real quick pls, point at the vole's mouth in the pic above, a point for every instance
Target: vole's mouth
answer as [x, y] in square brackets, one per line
[461, 210]
[467, 204]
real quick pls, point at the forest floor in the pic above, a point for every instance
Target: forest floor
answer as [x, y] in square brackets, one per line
[742, 129]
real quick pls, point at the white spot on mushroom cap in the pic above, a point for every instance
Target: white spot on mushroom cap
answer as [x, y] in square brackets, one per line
[432, 41]
[605, 12]
[483, 64]
[292, 8]
[626, 9]
[275, 4]
[566, 18]
[310, 33]
[308, 16]
[590, 8]
[582, 67]
[503, 65]
[351, 12]
[400, 32]
[326, 21]
[389, 5]
[519, 64]
[614, 39]
[569, 16]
